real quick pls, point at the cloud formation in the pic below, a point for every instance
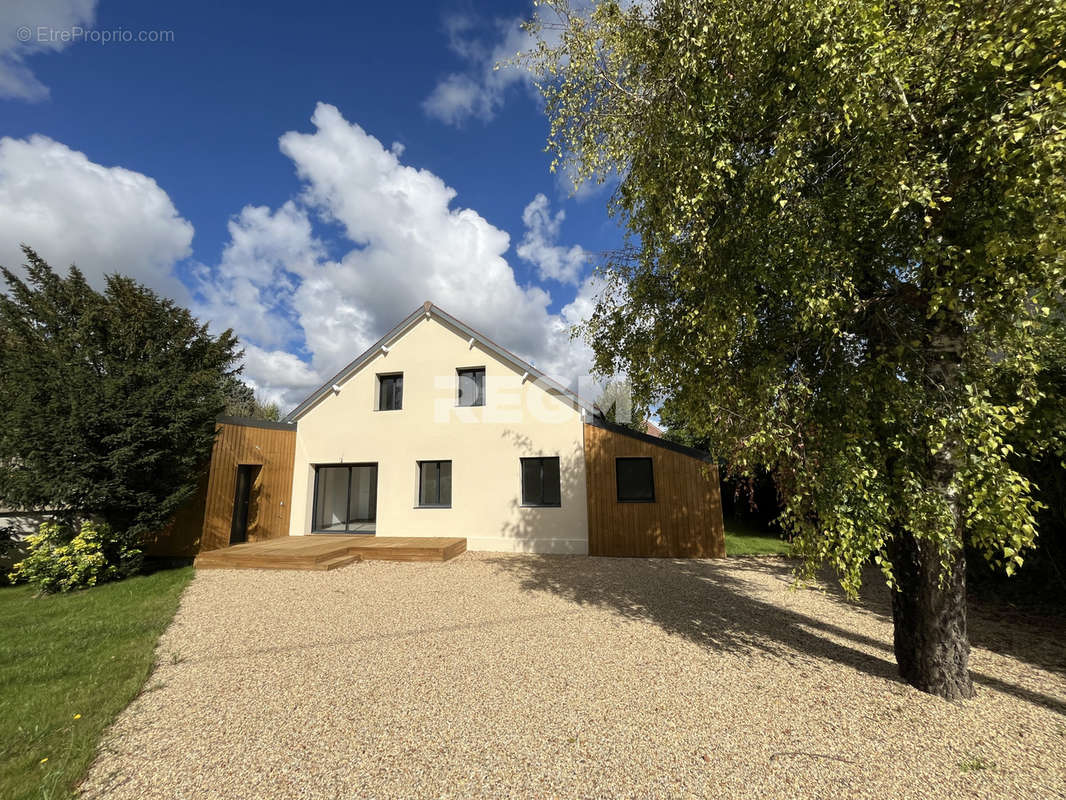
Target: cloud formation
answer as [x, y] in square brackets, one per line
[276, 286]
[538, 246]
[74, 211]
[25, 27]
[310, 284]
[479, 91]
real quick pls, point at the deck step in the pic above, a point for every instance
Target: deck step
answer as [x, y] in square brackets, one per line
[338, 561]
[253, 564]
[325, 551]
[414, 553]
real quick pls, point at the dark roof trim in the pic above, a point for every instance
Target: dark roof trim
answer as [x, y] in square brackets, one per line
[427, 310]
[249, 422]
[666, 444]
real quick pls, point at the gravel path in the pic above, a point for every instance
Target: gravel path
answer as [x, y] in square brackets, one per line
[535, 676]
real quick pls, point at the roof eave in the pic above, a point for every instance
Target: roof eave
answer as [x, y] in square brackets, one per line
[353, 366]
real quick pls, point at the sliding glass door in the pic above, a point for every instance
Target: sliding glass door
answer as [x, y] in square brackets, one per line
[346, 499]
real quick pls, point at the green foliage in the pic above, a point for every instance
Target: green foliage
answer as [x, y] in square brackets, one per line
[846, 226]
[677, 429]
[7, 539]
[616, 404]
[242, 402]
[107, 400]
[68, 664]
[1039, 454]
[61, 558]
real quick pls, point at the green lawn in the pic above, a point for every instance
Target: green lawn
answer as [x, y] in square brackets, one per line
[86, 653]
[744, 539]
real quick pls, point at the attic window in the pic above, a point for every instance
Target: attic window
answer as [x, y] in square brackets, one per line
[472, 386]
[390, 392]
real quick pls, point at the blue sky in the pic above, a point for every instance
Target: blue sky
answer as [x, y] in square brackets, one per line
[306, 173]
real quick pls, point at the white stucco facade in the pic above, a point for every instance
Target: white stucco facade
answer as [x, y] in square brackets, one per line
[522, 417]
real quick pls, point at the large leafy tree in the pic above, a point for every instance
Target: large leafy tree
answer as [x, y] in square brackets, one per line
[107, 400]
[846, 223]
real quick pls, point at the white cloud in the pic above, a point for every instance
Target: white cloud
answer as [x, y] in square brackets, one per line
[261, 267]
[303, 309]
[480, 90]
[25, 29]
[492, 53]
[409, 245]
[538, 246]
[104, 219]
[462, 40]
[457, 97]
[276, 374]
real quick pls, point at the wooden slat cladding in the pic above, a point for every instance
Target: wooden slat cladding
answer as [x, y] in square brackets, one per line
[204, 522]
[274, 450]
[685, 521]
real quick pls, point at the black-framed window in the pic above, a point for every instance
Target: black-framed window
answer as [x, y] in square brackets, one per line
[390, 392]
[540, 481]
[435, 484]
[636, 483]
[346, 498]
[472, 386]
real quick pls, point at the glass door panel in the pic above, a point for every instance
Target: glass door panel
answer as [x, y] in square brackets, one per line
[332, 501]
[362, 509]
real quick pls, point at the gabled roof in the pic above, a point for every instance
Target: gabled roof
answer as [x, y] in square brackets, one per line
[426, 311]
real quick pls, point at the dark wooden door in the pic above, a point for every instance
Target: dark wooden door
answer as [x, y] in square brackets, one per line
[241, 501]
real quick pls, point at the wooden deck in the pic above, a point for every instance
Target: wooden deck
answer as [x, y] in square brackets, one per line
[329, 551]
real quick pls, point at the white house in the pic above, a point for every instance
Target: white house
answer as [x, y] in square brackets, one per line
[436, 431]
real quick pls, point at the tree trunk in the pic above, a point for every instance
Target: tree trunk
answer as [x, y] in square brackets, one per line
[929, 619]
[929, 599]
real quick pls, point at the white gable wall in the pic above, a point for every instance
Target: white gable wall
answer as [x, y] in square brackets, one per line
[484, 444]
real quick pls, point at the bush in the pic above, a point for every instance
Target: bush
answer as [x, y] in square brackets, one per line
[61, 558]
[7, 549]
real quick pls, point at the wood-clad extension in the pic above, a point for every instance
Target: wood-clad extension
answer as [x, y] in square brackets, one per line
[685, 519]
[204, 523]
[272, 446]
[328, 551]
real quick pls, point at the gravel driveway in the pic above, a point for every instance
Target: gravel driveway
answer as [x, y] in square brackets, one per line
[539, 676]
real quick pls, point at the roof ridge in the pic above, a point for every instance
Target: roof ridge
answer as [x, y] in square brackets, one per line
[428, 308]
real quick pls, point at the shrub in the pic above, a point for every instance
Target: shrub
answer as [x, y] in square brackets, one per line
[7, 549]
[61, 558]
